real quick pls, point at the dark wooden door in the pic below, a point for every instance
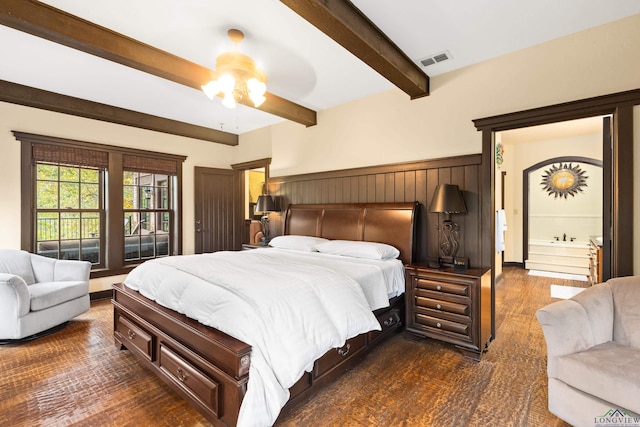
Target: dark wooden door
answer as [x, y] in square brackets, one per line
[218, 220]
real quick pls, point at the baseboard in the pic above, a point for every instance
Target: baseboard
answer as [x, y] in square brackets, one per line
[513, 264]
[106, 294]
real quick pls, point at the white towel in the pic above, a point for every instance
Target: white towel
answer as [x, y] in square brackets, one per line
[501, 227]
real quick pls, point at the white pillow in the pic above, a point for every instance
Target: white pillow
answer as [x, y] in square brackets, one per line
[298, 243]
[357, 249]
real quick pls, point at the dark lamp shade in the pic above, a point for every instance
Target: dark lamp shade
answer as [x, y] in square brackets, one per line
[447, 199]
[265, 204]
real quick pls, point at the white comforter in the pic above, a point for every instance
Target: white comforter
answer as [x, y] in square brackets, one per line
[289, 315]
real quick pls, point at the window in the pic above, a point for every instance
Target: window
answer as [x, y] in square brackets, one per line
[112, 206]
[147, 215]
[69, 212]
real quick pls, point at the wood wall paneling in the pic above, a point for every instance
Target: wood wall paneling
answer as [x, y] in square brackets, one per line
[405, 182]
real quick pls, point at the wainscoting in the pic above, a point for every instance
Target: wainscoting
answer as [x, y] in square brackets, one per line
[403, 182]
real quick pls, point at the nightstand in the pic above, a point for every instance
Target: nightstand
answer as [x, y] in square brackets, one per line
[450, 306]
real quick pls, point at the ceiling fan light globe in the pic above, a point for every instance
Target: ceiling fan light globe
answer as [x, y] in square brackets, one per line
[228, 100]
[256, 87]
[257, 99]
[226, 83]
[211, 89]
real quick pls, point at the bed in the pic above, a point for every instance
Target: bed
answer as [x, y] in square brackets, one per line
[210, 368]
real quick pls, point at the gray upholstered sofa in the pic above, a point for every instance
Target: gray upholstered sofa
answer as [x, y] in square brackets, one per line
[38, 293]
[593, 353]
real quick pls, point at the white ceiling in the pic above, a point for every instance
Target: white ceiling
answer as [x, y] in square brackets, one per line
[302, 64]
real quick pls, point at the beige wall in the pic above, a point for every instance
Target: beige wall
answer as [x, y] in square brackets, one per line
[384, 128]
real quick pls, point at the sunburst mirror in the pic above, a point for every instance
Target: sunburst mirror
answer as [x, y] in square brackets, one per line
[564, 179]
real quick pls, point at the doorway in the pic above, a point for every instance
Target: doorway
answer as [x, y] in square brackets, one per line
[620, 106]
[544, 214]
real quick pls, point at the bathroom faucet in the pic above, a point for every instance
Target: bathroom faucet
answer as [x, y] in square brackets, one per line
[557, 238]
[564, 237]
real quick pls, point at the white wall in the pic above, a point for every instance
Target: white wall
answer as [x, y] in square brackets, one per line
[574, 217]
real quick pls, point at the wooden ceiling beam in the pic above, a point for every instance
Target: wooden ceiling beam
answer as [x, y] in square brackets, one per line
[349, 27]
[31, 97]
[58, 26]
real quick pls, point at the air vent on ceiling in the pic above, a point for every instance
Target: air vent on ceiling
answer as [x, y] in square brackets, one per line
[434, 59]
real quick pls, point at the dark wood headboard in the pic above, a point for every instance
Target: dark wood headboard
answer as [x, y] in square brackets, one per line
[390, 223]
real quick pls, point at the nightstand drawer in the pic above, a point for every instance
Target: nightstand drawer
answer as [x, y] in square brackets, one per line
[439, 286]
[439, 305]
[444, 325]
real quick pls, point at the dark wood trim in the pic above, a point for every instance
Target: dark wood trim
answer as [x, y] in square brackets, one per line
[108, 273]
[252, 164]
[178, 209]
[27, 176]
[589, 107]
[281, 107]
[106, 294]
[446, 162]
[37, 98]
[54, 140]
[115, 218]
[622, 221]
[606, 193]
[487, 217]
[607, 202]
[499, 278]
[513, 264]
[350, 28]
[617, 104]
[58, 26]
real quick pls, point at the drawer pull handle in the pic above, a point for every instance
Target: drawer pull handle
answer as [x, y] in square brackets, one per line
[439, 287]
[438, 306]
[439, 325]
[131, 334]
[182, 375]
[390, 321]
[344, 350]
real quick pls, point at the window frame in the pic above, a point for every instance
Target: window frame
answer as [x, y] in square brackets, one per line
[113, 252]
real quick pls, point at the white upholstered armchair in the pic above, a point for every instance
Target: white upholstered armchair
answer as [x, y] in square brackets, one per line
[38, 293]
[593, 353]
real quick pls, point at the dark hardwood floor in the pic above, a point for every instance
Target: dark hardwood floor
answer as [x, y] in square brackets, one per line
[77, 377]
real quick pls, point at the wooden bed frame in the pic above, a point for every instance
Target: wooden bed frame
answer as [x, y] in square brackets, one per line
[209, 368]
